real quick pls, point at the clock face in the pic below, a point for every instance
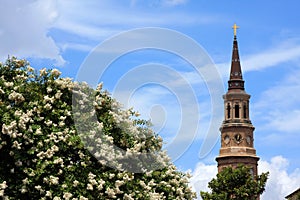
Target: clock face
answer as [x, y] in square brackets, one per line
[248, 139]
[238, 137]
[226, 139]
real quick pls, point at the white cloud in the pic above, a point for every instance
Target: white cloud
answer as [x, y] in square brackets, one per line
[173, 2]
[24, 29]
[104, 18]
[281, 182]
[279, 105]
[45, 28]
[98, 20]
[201, 175]
[286, 121]
[160, 2]
[288, 50]
[76, 46]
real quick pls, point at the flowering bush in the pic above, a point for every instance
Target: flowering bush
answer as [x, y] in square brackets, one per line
[58, 141]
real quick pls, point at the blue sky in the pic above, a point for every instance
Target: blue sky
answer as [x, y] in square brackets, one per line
[62, 34]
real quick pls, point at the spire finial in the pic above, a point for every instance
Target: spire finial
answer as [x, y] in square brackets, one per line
[234, 27]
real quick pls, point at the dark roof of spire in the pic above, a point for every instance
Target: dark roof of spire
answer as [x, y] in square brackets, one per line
[236, 78]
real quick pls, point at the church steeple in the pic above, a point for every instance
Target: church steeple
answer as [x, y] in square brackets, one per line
[236, 78]
[237, 137]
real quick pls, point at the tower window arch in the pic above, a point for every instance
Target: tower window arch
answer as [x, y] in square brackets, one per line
[245, 110]
[228, 110]
[237, 111]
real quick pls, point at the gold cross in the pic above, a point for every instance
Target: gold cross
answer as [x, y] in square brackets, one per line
[234, 29]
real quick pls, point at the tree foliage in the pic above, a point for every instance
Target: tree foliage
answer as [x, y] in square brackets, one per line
[43, 155]
[237, 184]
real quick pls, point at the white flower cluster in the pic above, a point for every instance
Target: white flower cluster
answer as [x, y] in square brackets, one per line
[1, 91]
[8, 84]
[2, 188]
[55, 72]
[50, 157]
[64, 83]
[17, 97]
[49, 153]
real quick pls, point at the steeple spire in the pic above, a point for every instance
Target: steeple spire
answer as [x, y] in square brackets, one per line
[236, 78]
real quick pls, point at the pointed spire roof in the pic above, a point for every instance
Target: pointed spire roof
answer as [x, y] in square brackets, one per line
[236, 78]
